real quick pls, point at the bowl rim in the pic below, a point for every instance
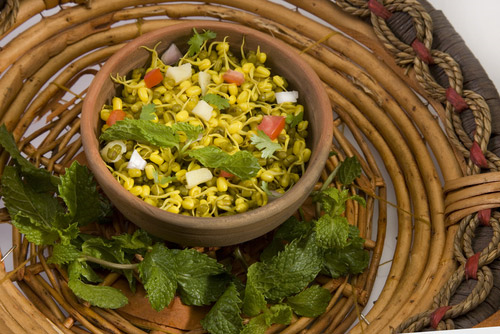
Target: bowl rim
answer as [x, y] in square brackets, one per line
[203, 224]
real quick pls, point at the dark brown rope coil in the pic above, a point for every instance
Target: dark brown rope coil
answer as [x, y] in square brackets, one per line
[420, 56]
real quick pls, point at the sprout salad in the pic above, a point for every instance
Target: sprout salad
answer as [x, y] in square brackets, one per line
[206, 133]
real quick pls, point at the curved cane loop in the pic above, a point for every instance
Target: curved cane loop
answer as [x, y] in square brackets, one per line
[8, 15]
[417, 53]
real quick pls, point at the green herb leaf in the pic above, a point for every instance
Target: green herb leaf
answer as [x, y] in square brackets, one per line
[81, 269]
[242, 163]
[311, 302]
[197, 40]
[332, 231]
[142, 131]
[276, 314]
[63, 254]
[294, 120]
[157, 272]
[138, 241]
[349, 170]
[265, 144]
[148, 112]
[290, 271]
[254, 301]
[43, 179]
[192, 132]
[33, 231]
[79, 192]
[349, 260]
[201, 279]
[216, 100]
[100, 296]
[224, 317]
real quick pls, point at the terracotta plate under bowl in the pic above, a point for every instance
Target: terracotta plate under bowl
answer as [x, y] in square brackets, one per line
[216, 231]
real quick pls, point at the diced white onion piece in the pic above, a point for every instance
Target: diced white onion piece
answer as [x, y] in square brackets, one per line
[198, 176]
[136, 161]
[204, 80]
[179, 73]
[203, 110]
[171, 55]
[291, 96]
[105, 149]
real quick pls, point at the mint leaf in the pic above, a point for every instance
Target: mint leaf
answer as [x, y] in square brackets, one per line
[36, 233]
[224, 317]
[79, 269]
[294, 120]
[242, 163]
[136, 242]
[192, 132]
[197, 40]
[288, 272]
[100, 296]
[147, 112]
[276, 314]
[142, 131]
[254, 301]
[201, 279]
[79, 192]
[63, 254]
[256, 325]
[311, 302]
[332, 232]
[264, 144]
[157, 272]
[350, 260]
[216, 100]
[43, 179]
[349, 170]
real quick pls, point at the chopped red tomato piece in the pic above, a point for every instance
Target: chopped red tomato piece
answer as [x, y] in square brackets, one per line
[234, 77]
[114, 116]
[272, 125]
[153, 77]
[225, 174]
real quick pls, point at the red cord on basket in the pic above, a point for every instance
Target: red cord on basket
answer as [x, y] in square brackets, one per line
[471, 266]
[422, 51]
[456, 100]
[378, 9]
[477, 156]
[438, 315]
[484, 217]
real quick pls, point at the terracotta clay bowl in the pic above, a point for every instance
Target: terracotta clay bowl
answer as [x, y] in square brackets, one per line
[216, 231]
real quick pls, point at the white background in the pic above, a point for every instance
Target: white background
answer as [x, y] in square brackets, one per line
[478, 22]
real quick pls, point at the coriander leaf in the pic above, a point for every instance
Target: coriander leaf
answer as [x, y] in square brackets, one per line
[289, 271]
[242, 163]
[164, 179]
[254, 301]
[142, 131]
[63, 254]
[79, 192]
[197, 40]
[78, 269]
[264, 144]
[192, 132]
[147, 112]
[349, 260]
[349, 170]
[311, 302]
[294, 120]
[332, 232]
[201, 279]
[217, 100]
[224, 317]
[43, 179]
[157, 272]
[100, 296]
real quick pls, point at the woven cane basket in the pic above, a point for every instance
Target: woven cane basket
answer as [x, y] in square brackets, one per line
[410, 102]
